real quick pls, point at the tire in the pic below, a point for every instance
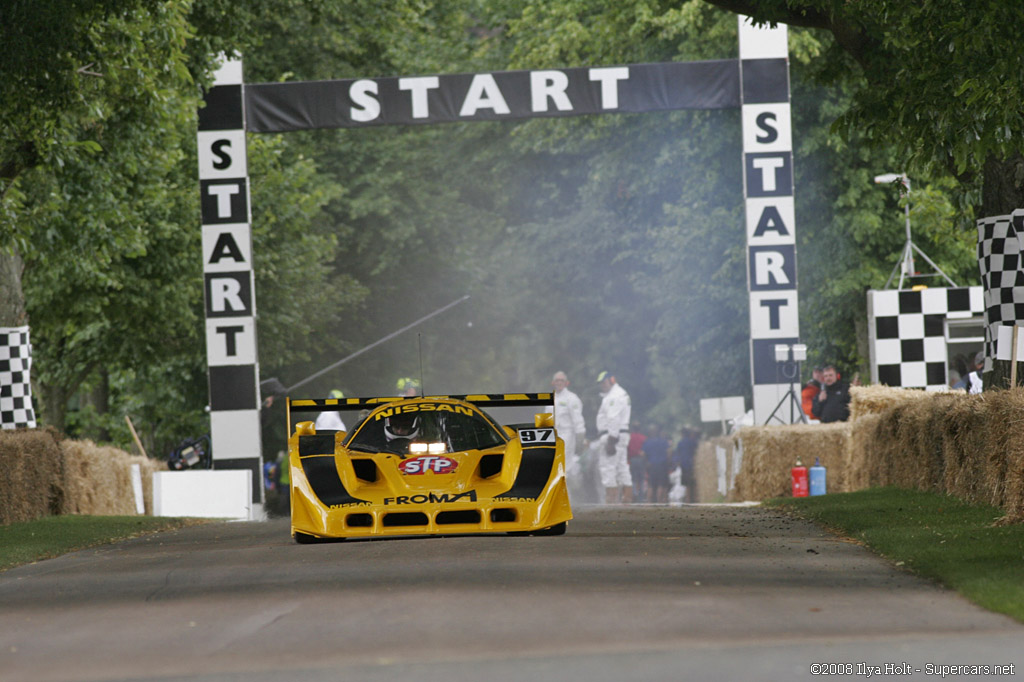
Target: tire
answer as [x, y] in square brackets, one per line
[557, 529]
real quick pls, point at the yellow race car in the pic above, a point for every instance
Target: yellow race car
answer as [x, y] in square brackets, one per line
[436, 465]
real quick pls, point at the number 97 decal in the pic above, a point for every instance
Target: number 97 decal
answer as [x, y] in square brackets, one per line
[537, 436]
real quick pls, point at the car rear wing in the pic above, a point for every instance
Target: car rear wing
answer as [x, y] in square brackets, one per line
[481, 399]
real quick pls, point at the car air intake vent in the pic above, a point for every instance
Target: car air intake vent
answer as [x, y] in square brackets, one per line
[366, 470]
[503, 515]
[461, 516]
[359, 520]
[406, 519]
[319, 444]
[490, 465]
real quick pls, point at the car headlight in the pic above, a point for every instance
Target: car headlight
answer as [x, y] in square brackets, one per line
[421, 448]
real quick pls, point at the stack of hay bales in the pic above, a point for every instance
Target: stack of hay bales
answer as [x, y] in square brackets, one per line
[906, 450]
[770, 452]
[31, 471]
[43, 474]
[968, 446]
[868, 400]
[874, 444]
[983, 453]
[98, 479]
[1006, 446]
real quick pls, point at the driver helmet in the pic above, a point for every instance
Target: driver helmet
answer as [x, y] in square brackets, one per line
[401, 426]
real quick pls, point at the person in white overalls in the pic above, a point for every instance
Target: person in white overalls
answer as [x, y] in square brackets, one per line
[569, 424]
[613, 434]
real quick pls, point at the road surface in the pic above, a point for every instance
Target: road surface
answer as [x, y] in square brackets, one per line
[630, 593]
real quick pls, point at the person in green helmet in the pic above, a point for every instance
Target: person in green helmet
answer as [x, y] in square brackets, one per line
[408, 387]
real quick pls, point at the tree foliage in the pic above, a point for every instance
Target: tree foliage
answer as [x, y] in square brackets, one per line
[585, 243]
[938, 83]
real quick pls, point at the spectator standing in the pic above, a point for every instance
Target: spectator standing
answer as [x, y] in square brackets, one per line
[568, 412]
[974, 383]
[684, 456]
[810, 391]
[272, 417]
[330, 420]
[613, 435]
[656, 452]
[958, 372]
[407, 387]
[637, 464]
[832, 403]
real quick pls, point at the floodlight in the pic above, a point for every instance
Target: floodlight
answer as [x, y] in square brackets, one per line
[799, 352]
[781, 352]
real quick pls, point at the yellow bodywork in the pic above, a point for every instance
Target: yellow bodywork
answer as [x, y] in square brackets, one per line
[514, 487]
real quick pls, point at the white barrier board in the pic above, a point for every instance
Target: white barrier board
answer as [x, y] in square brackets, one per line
[223, 494]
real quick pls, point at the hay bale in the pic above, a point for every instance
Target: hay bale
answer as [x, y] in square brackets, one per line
[148, 466]
[866, 441]
[705, 468]
[98, 479]
[42, 474]
[917, 458]
[1009, 421]
[770, 452]
[963, 454]
[875, 399]
[984, 457]
[31, 473]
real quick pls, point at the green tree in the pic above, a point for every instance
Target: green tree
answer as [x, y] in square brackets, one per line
[105, 223]
[939, 83]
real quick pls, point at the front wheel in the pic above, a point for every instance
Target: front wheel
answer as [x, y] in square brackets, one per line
[557, 529]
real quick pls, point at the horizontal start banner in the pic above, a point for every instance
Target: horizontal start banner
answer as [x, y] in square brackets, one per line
[280, 107]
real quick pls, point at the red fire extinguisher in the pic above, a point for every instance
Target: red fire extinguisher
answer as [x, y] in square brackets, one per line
[799, 476]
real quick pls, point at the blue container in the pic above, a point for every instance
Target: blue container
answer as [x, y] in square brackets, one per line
[817, 476]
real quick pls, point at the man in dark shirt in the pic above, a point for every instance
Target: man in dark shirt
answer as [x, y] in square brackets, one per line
[832, 403]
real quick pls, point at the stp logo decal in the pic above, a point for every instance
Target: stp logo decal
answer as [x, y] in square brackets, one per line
[421, 465]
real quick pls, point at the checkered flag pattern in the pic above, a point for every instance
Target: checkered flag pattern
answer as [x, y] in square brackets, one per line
[15, 387]
[908, 333]
[999, 258]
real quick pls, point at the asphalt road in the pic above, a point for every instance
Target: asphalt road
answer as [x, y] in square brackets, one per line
[630, 593]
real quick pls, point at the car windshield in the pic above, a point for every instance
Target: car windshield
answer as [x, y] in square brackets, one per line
[434, 428]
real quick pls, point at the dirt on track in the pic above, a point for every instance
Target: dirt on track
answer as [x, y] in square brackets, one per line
[630, 592]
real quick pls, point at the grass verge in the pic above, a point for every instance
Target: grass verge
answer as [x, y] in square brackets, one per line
[935, 536]
[23, 543]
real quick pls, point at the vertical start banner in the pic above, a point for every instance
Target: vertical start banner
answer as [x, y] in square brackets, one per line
[770, 221]
[229, 291]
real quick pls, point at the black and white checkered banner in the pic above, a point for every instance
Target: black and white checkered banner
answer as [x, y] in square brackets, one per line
[999, 259]
[15, 387]
[230, 296]
[909, 335]
[771, 226]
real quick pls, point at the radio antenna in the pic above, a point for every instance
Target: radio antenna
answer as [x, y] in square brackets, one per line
[419, 342]
[376, 343]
